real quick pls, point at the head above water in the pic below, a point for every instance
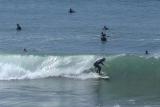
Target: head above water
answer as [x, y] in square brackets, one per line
[146, 52]
[18, 27]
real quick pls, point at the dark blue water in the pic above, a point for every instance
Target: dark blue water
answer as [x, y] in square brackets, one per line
[49, 29]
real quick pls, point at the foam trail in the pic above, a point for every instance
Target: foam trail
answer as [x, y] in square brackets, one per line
[33, 67]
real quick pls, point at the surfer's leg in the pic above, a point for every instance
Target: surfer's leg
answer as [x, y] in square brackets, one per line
[96, 69]
[99, 70]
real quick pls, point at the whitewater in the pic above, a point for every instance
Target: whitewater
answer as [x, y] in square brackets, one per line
[134, 79]
[33, 67]
[77, 66]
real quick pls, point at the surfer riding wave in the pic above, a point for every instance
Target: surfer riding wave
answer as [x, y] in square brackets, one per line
[97, 65]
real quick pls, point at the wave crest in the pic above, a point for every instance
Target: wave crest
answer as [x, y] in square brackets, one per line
[77, 66]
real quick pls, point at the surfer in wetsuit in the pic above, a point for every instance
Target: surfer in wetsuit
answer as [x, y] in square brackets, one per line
[105, 28]
[146, 52]
[103, 36]
[71, 10]
[18, 27]
[24, 50]
[97, 65]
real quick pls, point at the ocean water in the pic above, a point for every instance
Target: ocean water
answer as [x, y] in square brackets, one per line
[57, 69]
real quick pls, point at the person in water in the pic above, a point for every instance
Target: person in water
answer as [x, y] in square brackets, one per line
[146, 52]
[103, 36]
[18, 27]
[25, 50]
[71, 10]
[97, 65]
[105, 28]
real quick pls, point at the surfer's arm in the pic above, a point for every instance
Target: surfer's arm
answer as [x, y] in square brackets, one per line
[102, 63]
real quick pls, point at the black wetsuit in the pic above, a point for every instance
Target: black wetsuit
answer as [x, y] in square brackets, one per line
[105, 28]
[97, 65]
[25, 50]
[18, 27]
[71, 11]
[103, 37]
[146, 52]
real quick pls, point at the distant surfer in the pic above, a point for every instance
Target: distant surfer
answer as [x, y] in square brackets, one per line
[18, 27]
[71, 10]
[103, 37]
[25, 50]
[103, 34]
[146, 52]
[105, 28]
[97, 65]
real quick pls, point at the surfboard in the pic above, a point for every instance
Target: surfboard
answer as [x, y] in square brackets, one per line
[104, 77]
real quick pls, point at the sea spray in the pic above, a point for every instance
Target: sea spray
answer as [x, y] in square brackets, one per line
[33, 67]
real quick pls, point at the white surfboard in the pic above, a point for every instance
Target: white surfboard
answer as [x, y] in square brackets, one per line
[104, 77]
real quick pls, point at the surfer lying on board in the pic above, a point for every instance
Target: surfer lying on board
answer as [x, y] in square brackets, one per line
[97, 65]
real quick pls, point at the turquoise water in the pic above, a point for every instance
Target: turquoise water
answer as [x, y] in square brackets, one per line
[57, 69]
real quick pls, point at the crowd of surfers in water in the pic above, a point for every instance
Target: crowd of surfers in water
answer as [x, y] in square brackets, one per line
[103, 35]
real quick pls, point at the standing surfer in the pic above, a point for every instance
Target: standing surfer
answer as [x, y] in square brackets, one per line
[97, 65]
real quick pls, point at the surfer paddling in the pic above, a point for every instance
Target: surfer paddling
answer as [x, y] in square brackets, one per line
[97, 65]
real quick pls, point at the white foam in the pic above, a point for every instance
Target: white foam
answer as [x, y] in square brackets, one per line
[117, 105]
[33, 67]
[156, 55]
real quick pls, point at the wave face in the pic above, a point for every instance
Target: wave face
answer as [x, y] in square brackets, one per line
[131, 67]
[118, 67]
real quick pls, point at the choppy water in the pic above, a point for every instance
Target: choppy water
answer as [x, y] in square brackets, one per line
[48, 28]
[62, 47]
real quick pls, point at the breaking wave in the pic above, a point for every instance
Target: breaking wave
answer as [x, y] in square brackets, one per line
[77, 66]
